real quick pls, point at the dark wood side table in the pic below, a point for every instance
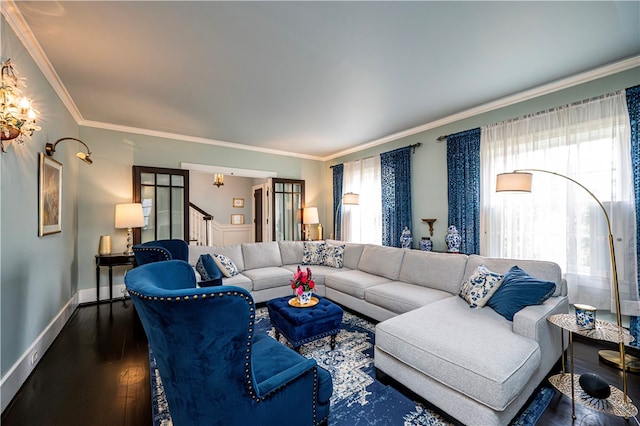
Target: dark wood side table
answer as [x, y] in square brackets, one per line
[111, 260]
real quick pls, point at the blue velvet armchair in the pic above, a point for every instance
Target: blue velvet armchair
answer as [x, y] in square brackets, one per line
[159, 250]
[214, 369]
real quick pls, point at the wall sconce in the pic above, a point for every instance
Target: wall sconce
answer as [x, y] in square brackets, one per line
[218, 180]
[17, 116]
[129, 216]
[51, 148]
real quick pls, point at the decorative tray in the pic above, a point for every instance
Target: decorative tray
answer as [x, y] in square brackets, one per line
[294, 302]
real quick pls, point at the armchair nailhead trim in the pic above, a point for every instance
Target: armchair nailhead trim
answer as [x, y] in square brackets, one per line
[161, 251]
[250, 302]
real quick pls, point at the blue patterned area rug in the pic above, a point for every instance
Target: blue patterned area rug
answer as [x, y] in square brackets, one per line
[358, 398]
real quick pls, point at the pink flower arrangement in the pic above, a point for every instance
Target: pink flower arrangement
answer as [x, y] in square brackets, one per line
[302, 281]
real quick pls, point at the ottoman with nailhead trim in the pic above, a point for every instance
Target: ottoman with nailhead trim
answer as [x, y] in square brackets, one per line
[304, 325]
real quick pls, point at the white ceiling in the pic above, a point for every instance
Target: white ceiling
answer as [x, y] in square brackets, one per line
[315, 78]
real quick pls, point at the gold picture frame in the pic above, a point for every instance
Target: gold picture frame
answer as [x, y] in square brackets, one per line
[237, 219]
[238, 202]
[49, 196]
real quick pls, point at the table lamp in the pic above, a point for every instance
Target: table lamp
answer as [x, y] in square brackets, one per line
[309, 217]
[129, 216]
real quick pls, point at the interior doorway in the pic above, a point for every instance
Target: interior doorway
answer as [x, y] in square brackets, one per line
[258, 217]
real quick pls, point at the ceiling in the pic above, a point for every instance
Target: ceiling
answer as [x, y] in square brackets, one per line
[314, 79]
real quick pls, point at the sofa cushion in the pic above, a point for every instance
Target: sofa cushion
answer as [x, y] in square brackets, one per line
[313, 253]
[382, 261]
[261, 255]
[354, 283]
[548, 271]
[401, 297]
[473, 351]
[480, 286]
[239, 281]
[333, 256]
[269, 277]
[519, 290]
[352, 252]
[233, 252]
[442, 271]
[317, 271]
[291, 252]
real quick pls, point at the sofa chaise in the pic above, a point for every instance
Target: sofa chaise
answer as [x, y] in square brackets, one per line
[473, 364]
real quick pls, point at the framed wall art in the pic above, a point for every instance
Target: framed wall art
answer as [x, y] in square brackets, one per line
[49, 196]
[237, 219]
[238, 202]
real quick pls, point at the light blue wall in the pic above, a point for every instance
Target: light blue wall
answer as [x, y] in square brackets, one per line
[429, 163]
[108, 182]
[38, 274]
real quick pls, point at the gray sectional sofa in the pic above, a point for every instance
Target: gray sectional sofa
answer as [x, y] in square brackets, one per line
[473, 364]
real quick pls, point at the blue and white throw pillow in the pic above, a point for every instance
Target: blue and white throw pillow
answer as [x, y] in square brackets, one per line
[200, 268]
[313, 253]
[226, 265]
[207, 268]
[480, 286]
[333, 256]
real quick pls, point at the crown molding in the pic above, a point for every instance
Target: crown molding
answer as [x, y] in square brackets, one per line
[195, 139]
[545, 89]
[25, 35]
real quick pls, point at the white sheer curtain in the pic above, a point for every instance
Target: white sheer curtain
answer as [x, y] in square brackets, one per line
[363, 223]
[559, 221]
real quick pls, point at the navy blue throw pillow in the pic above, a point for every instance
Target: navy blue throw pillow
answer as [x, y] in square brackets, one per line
[207, 268]
[519, 290]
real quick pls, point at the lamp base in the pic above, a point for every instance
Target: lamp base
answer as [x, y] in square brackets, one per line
[612, 358]
[129, 251]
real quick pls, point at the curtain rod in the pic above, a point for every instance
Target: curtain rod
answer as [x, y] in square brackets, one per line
[546, 111]
[414, 146]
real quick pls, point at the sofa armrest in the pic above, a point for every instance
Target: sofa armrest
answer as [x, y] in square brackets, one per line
[532, 321]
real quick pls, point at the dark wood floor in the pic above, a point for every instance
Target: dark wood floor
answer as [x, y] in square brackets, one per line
[97, 373]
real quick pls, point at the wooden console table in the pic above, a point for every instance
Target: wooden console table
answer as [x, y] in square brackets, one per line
[111, 260]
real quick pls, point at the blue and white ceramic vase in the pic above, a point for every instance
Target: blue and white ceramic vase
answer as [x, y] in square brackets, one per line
[426, 244]
[585, 316]
[305, 297]
[453, 240]
[406, 239]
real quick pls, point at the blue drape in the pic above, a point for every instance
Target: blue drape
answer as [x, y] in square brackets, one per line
[463, 171]
[395, 173]
[633, 105]
[338, 171]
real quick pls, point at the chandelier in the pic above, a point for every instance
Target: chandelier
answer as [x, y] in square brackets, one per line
[17, 116]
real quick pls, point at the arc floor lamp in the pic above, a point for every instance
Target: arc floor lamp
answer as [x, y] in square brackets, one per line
[348, 199]
[520, 181]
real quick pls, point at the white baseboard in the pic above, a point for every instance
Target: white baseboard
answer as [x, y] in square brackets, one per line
[88, 295]
[20, 371]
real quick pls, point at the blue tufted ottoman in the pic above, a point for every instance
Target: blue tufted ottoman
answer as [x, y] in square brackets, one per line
[304, 325]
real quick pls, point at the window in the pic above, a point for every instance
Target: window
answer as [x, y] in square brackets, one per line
[559, 221]
[363, 223]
